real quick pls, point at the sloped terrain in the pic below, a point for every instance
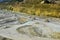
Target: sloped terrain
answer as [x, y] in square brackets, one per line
[20, 26]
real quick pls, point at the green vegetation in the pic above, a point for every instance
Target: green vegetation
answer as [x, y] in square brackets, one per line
[56, 35]
[35, 7]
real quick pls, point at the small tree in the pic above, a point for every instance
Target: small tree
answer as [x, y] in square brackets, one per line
[49, 1]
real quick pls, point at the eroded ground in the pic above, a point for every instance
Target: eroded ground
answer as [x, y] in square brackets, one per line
[20, 26]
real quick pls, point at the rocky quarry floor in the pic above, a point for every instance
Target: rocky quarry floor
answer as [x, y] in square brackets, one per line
[18, 26]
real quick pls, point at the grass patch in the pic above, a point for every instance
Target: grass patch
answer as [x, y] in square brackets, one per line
[35, 8]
